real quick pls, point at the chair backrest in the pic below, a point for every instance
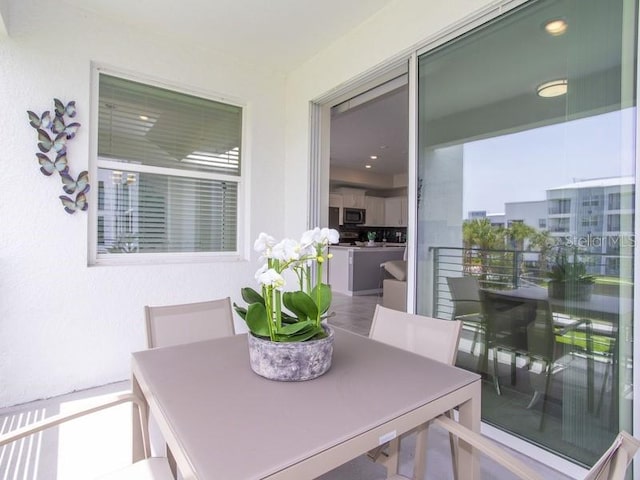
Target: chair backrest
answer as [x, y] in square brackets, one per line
[506, 319]
[430, 337]
[177, 324]
[465, 295]
[614, 462]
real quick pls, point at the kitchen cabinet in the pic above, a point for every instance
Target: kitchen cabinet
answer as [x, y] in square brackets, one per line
[395, 212]
[375, 211]
[353, 200]
[335, 200]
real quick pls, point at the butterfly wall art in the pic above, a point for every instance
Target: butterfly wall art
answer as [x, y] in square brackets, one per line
[54, 131]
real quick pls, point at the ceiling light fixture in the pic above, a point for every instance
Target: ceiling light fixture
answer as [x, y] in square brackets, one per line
[555, 88]
[144, 117]
[367, 166]
[556, 27]
[373, 157]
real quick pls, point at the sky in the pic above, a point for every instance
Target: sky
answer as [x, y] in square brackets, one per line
[522, 166]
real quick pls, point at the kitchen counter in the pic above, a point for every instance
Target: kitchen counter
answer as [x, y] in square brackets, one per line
[355, 270]
[377, 246]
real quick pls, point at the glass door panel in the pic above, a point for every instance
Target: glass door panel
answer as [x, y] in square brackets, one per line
[526, 182]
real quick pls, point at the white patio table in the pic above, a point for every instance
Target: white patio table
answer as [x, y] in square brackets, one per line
[222, 421]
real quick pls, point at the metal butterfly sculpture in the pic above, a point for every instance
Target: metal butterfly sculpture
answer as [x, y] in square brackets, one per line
[55, 142]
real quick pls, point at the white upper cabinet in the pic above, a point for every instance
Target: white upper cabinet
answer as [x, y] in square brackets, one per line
[352, 197]
[395, 212]
[335, 200]
[375, 211]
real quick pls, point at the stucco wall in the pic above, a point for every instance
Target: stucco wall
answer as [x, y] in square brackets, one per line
[65, 325]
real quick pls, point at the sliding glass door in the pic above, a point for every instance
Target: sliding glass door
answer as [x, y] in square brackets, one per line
[526, 184]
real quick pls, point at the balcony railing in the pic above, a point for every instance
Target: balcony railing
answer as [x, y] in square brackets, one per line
[506, 269]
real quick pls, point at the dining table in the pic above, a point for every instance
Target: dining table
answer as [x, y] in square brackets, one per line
[220, 420]
[606, 308]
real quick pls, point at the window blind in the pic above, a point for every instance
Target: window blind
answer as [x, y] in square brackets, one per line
[188, 200]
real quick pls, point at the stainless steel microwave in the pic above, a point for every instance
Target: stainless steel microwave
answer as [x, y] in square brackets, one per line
[354, 216]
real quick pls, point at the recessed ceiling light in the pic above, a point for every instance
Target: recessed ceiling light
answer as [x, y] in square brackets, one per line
[373, 157]
[554, 88]
[143, 117]
[556, 27]
[383, 147]
[367, 166]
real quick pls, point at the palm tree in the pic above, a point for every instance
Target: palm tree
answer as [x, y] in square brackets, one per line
[480, 234]
[518, 232]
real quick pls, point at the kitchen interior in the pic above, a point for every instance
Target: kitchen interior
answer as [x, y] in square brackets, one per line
[368, 187]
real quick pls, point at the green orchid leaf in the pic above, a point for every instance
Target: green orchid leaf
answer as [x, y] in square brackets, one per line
[241, 311]
[250, 296]
[296, 328]
[325, 296]
[286, 318]
[315, 332]
[301, 304]
[257, 320]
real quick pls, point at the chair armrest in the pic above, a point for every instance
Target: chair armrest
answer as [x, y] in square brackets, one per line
[101, 403]
[566, 328]
[493, 451]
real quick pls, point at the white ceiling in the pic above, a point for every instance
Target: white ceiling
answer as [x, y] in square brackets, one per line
[379, 127]
[274, 34]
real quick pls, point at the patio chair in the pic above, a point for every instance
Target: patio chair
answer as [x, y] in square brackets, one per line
[151, 468]
[527, 327]
[430, 337]
[191, 322]
[465, 296]
[171, 325]
[612, 465]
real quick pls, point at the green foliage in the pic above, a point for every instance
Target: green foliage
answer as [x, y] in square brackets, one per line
[298, 326]
[570, 272]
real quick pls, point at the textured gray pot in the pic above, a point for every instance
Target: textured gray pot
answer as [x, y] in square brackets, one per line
[291, 361]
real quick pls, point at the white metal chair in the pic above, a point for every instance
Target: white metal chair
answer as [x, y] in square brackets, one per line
[191, 322]
[151, 468]
[430, 337]
[612, 465]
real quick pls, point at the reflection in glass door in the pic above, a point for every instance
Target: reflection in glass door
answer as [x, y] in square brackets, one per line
[526, 215]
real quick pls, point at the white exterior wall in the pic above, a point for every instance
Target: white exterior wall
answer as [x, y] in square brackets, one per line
[65, 325]
[529, 212]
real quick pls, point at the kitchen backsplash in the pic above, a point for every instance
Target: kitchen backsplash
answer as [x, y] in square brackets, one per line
[359, 233]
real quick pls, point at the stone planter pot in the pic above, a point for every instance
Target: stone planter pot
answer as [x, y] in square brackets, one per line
[291, 361]
[570, 291]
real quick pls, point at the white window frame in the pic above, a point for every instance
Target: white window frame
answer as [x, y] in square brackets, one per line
[96, 163]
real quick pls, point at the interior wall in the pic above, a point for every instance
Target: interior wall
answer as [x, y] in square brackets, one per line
[64, 325]
[4, 15]
[393, 32]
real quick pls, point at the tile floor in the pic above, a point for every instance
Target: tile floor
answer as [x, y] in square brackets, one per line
[101, 443]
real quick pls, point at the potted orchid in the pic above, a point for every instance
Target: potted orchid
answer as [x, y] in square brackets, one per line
[287, 339]
[290, 316]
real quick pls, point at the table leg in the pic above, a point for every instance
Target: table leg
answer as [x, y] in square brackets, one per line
[393, 461]
[139, 434]
[469, 416]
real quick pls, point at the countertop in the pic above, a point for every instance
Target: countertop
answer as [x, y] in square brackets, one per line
[378, 246]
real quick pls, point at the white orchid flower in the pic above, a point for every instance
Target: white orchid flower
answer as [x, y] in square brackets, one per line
[264, 244]
[310, 237]
[270, 278]
[329, 235]
[260, 271]
[287, 250]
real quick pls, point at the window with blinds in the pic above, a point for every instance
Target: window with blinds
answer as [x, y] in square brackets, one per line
[169, 171]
